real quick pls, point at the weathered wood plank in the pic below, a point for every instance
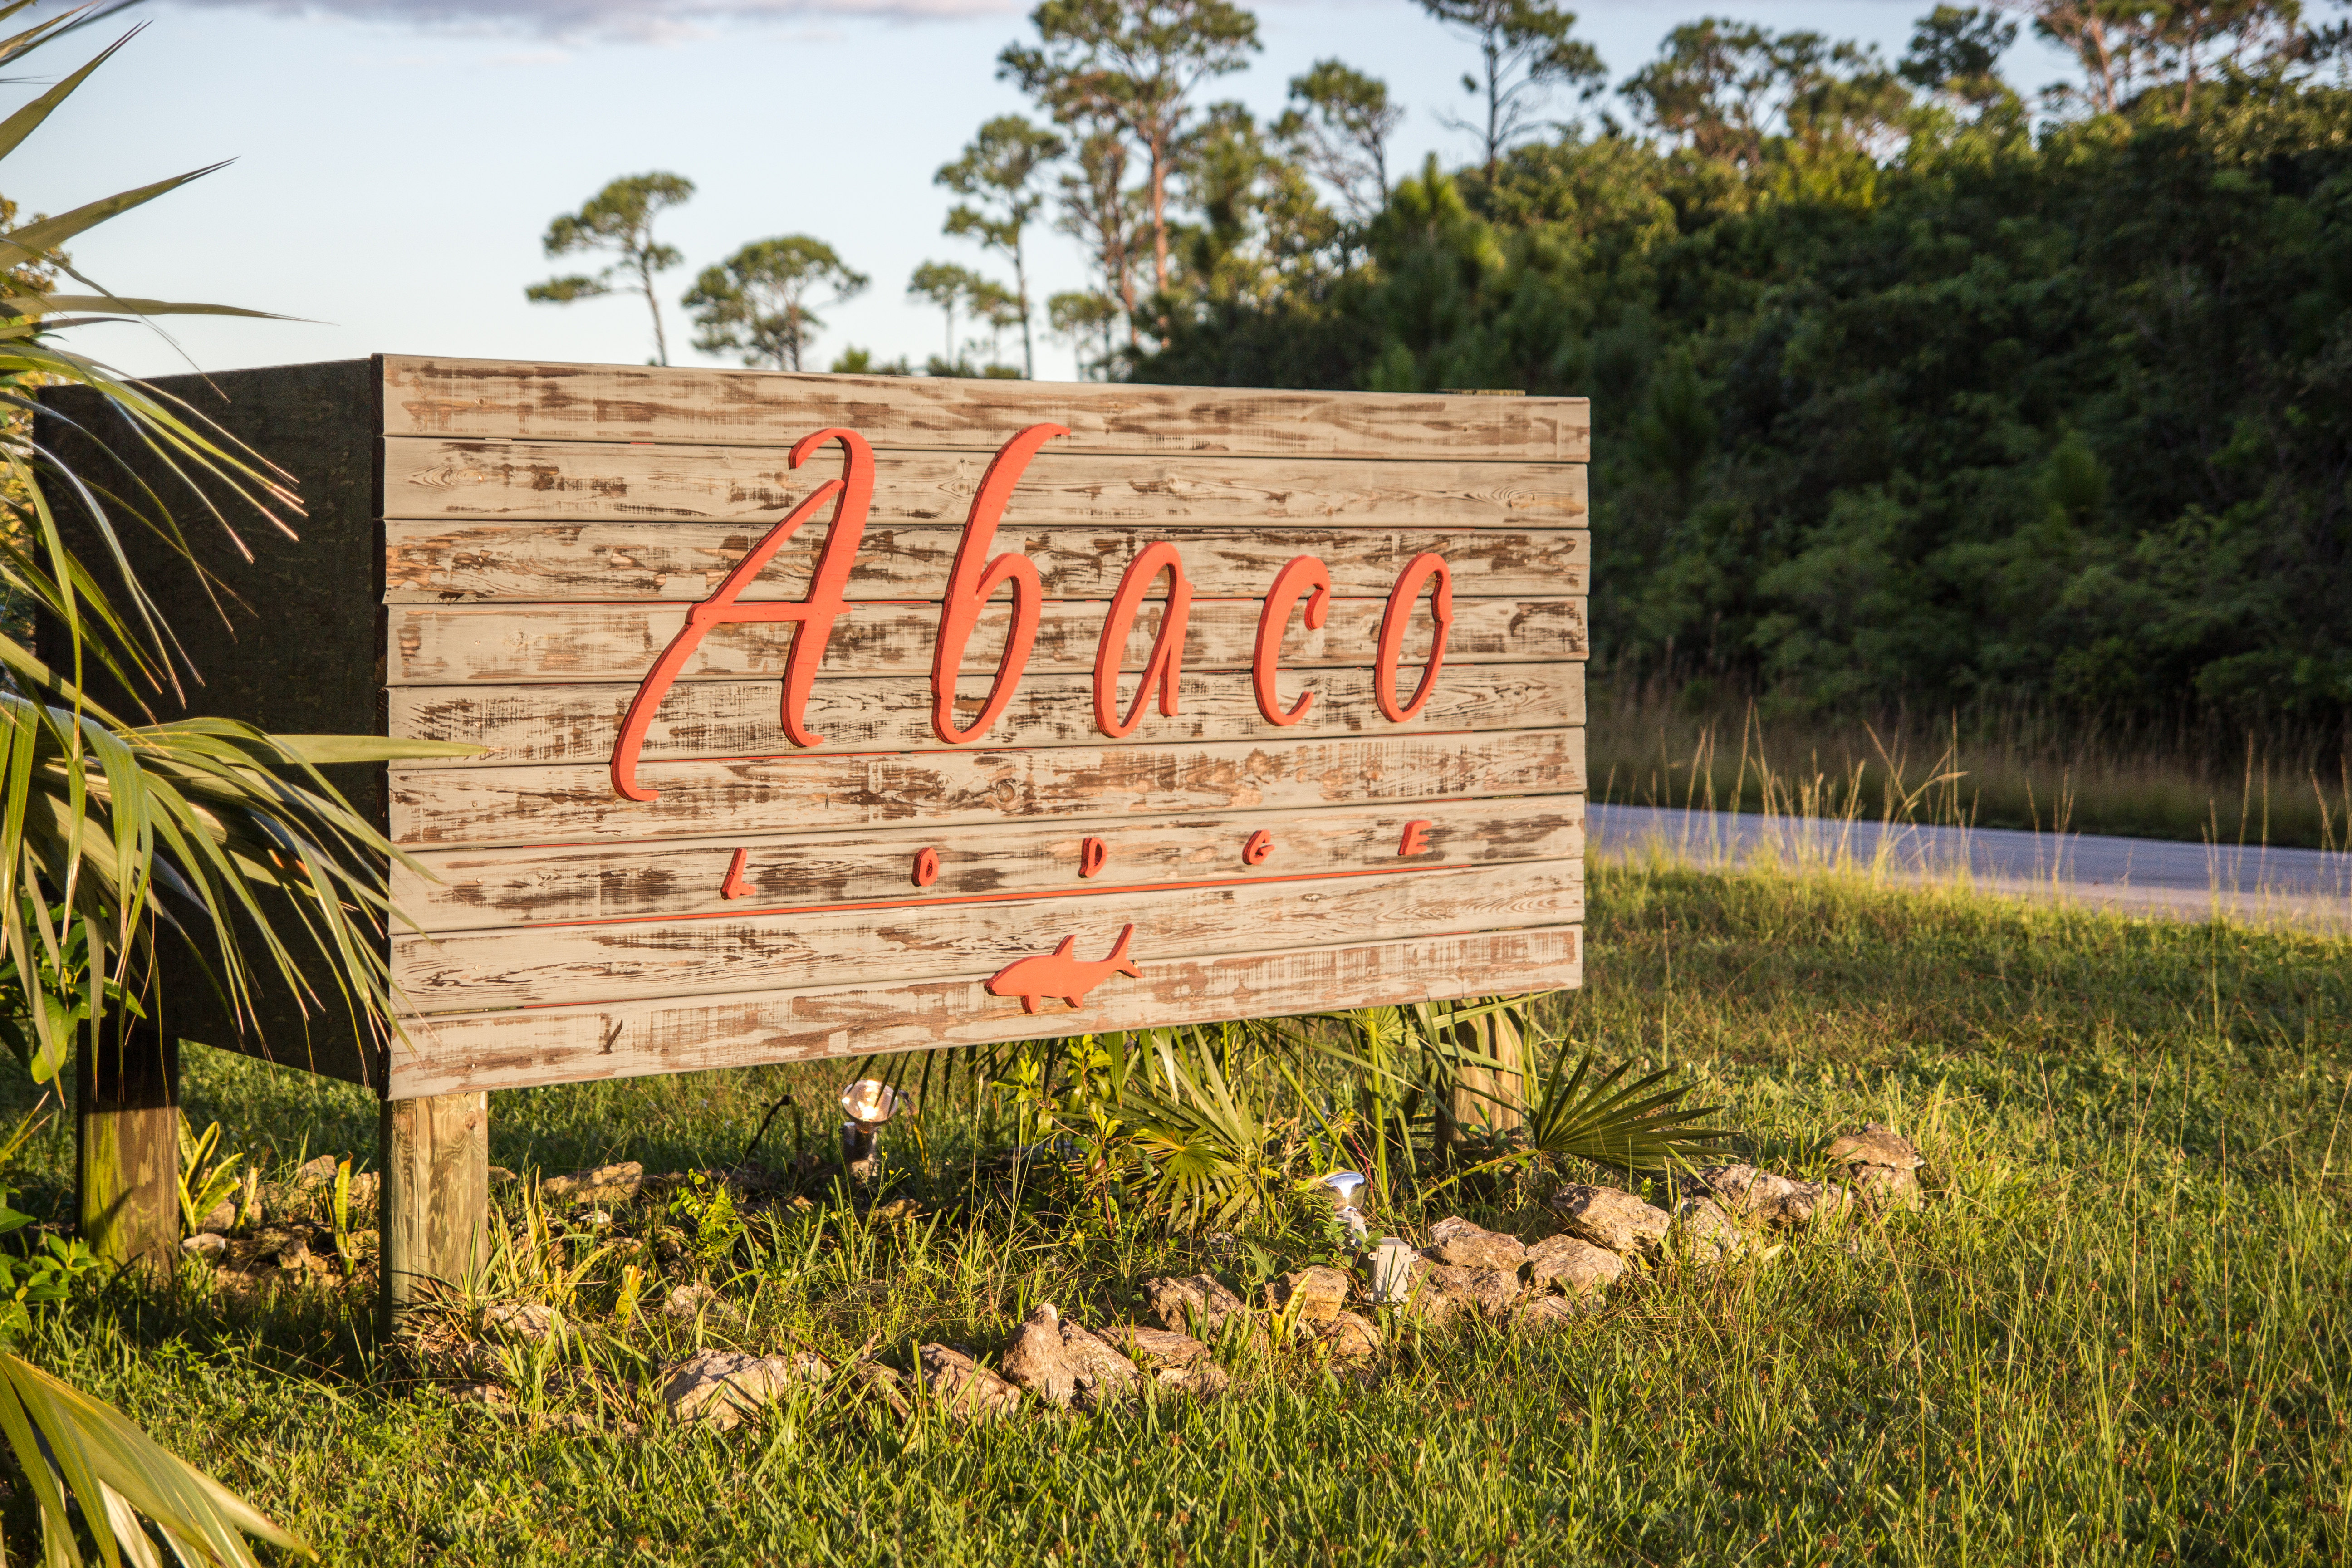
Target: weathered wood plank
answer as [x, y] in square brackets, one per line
[634, 483]
[473, 889]
[570, 1045]
[435, 562]
[604, 961]
[444, 807]
[522, 401]
[127, 1109]
[436, 1197]
[531, 724]
[506, 644]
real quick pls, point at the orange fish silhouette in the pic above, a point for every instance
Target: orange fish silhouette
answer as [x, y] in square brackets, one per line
[1056, 974]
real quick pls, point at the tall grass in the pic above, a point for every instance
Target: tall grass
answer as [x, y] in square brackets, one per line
[2119, 1333]
[1650, 744]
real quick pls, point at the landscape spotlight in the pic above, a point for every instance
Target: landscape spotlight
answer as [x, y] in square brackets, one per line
[867, 1103]
[1345, 1187]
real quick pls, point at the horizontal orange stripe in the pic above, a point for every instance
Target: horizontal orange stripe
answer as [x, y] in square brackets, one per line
[1084, 892]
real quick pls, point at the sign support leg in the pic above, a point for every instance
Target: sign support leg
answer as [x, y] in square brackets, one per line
[436, 1198]
[1497, 1037]
[127, 1126]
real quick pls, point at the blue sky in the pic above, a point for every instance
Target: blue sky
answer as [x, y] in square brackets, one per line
[397, 161]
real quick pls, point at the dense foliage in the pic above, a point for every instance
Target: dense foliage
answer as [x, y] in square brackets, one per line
[1905, 394]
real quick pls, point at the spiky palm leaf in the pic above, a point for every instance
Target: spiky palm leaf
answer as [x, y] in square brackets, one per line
[69, 1442]
[205, 824]
[1642, 1125]
[1203, 1138]
[121, 827]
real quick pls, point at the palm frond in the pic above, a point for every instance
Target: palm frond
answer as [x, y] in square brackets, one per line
[1203, 1140]
[67, 1442]
[1642, 1125]
[231, 835]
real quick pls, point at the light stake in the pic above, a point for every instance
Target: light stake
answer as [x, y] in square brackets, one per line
[868, 1103]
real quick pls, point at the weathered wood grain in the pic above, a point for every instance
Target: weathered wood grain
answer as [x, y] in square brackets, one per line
[521, 401]
[504, 644]
[473, 889]
[605, 961]
[442, 808]
[435, 562]
[635, 483]
[581, 1044]
[434, 1201]
[521, 724]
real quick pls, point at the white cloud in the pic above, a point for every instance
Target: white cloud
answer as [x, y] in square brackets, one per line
[616, 18]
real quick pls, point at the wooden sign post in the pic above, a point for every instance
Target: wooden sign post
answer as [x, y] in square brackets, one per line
[829, 715]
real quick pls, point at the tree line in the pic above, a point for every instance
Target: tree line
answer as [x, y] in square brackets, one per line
[1911, 389]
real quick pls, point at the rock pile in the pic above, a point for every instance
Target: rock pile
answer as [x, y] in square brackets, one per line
[1463, 1273]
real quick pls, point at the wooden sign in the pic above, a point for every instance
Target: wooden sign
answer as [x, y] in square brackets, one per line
[830, 714]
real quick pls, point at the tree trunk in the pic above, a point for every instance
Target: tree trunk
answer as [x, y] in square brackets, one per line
[1021, 285]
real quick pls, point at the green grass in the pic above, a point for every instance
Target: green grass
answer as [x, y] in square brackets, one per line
[2120, 1335]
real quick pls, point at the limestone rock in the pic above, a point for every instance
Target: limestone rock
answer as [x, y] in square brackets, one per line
[1350, 1334]
[363, 1189]
[1199, 1305]
[1202, 1379]
[1704, 1233]
[1889, 1186]
[604, 1185]
[1446, 1290]
[689, 1302]
[719, 1388]
[1814, 1200]
[1609, 1217]
[1877, 1145]
[1574, 1265]
[1745, 1191]
[219, 1219]
[318, 1172]
[1456, 1242]
[1064, 1365]
[206, 1244]
[963, 1387]
[533, 1321]
[1158, 1347]
[1320, 1294]
[1173, 1361]
[294, 1252]
[1544, 1313]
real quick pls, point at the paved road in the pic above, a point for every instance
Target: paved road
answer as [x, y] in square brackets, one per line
[2146, 876]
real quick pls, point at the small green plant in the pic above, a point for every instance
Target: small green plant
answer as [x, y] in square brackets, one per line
[58, 982]
[707, 1210]
[346, 1247]
[41, 1278]
[206, 1182]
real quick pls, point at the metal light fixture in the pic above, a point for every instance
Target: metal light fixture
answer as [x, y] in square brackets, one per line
[867, 1103]
[1346, 1187]
[1392, 1271]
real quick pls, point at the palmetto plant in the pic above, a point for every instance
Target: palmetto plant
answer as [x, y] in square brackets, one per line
[1584, 1114]
[111, 829]
[116, 829]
